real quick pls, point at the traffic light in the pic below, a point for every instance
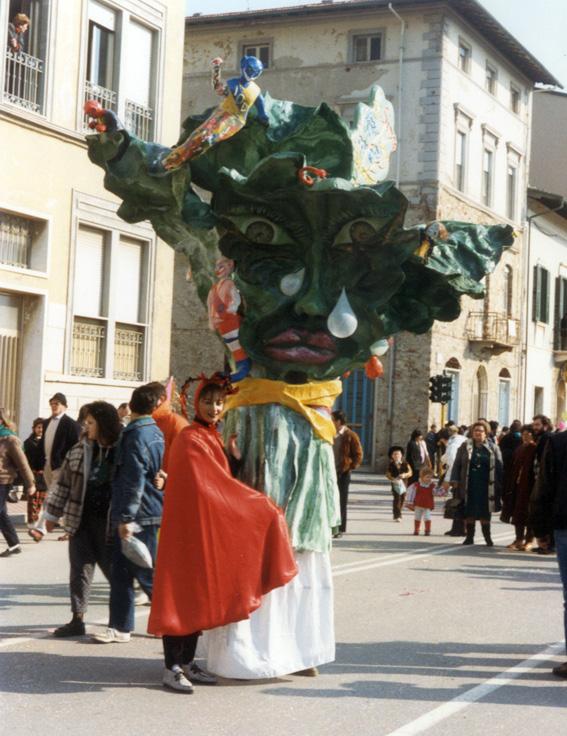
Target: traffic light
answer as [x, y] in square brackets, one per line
[445, 389]
[440, 389]
[434, 389]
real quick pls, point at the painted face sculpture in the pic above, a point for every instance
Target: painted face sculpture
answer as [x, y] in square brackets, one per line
[315, 270]
[324, 266]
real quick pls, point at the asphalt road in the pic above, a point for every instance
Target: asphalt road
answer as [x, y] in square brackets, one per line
[432, 637]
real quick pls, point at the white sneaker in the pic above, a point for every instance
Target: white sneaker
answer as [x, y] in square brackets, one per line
[199, 675]
[111, 636]
[140, 598]
[175, 680]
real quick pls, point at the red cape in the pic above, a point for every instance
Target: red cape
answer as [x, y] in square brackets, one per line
[222, 545]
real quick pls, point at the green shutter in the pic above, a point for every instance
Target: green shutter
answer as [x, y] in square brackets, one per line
[536, 295]
[558, 313]
[544, 309]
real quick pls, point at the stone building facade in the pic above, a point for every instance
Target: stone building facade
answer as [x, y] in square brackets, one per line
[461, 87]
[85, 298]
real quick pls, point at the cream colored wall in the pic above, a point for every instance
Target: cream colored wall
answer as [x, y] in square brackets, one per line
[45, 163]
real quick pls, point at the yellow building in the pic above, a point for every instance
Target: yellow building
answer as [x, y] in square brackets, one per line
[85, 298]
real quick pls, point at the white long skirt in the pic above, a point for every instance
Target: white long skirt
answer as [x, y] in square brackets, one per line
[292, 630]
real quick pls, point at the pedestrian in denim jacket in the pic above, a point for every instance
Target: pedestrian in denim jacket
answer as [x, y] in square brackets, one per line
[136, 508]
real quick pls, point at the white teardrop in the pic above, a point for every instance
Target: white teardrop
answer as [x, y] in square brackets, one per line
[292, 282]
[380, 347]
[342, 321]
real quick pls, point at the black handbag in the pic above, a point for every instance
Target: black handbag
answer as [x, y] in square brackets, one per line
[453, 508]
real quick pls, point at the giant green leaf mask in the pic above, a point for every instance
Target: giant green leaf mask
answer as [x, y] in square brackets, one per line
[324, 271]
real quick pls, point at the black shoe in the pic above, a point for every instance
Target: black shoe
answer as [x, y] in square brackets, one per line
[486, 534]
[11, 551]
[468, 540]
[560, 670]
[75, 627]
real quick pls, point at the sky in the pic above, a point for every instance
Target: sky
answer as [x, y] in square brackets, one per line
[539, 26]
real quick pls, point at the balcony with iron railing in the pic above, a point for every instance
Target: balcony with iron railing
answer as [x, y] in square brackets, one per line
[23, 80]
[108, 99]
[88, 348]
[493, 330]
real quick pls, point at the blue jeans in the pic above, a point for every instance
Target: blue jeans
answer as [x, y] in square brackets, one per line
[561, 547]
[123, 573]
[6, 526]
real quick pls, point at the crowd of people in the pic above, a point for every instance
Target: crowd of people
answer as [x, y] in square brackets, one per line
[518, 472]
[104, 480]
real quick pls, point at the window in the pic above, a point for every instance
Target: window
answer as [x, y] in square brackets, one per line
[23, 242]
[511, 191]
[508, 291]
[101, 81]
[490, 79]
[560, 314]
[460, 160]
[487, 174]
[514, 99]
[480, 394]
[540, 295]
[119, 42]
[367, 47]
[504, 398]
[465, 53]
[25, 70]
[262, 51]
[538, 400]
[109, 329]
[453, 369]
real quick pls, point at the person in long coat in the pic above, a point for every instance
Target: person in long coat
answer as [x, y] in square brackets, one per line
[477, 476]
[417, 455]
[518, 486]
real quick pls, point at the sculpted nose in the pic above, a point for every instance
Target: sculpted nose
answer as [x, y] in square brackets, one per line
[312, 303]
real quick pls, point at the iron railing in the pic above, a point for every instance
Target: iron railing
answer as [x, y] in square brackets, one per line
[88, 349]
[23, 83]
[493, 327]
[128, 353]
[139, 120]
[108, 99]
[16, 234]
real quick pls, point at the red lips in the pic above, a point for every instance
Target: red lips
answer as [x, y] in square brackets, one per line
[301, 346]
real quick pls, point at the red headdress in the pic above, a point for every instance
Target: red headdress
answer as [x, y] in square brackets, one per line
[221, 380]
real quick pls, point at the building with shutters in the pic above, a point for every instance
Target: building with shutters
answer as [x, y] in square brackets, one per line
[545, 318]
[461, 86]
[85, 298]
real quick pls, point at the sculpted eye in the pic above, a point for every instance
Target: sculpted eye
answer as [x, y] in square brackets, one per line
[357, 232]
[260, 231]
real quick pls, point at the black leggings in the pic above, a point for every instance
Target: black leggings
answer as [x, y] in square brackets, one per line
[179, 650]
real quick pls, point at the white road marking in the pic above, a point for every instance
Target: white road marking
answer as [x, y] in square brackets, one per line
[426, 721]
[371, 562]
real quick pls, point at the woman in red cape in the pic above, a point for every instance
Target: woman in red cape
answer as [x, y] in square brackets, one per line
[222, 544]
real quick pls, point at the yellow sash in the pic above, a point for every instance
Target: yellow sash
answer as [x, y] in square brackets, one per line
[304, 398]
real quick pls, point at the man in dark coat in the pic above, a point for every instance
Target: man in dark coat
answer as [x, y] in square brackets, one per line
[549, 511]
[60, 433]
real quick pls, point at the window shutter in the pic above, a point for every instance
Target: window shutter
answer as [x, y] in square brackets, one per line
[127, 279]
[89, 273]
[138, 72]
[558, 313]
[544, 309]
[536, 295]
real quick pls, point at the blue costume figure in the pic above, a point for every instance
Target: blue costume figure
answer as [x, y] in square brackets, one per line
[240, 95]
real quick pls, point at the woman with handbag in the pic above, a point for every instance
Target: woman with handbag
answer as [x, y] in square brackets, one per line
[12, 463]
[477, 475]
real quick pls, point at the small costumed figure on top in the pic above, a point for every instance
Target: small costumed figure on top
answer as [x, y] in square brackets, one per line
[222, 303]
[240, 94]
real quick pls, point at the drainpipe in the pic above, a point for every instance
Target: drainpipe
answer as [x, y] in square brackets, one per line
[529, 219]
[400, 89]
[392, 353]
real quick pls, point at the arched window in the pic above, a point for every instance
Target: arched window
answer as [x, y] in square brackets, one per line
[508, 291]
[453, 369]
[504, 397]
[480, 394]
